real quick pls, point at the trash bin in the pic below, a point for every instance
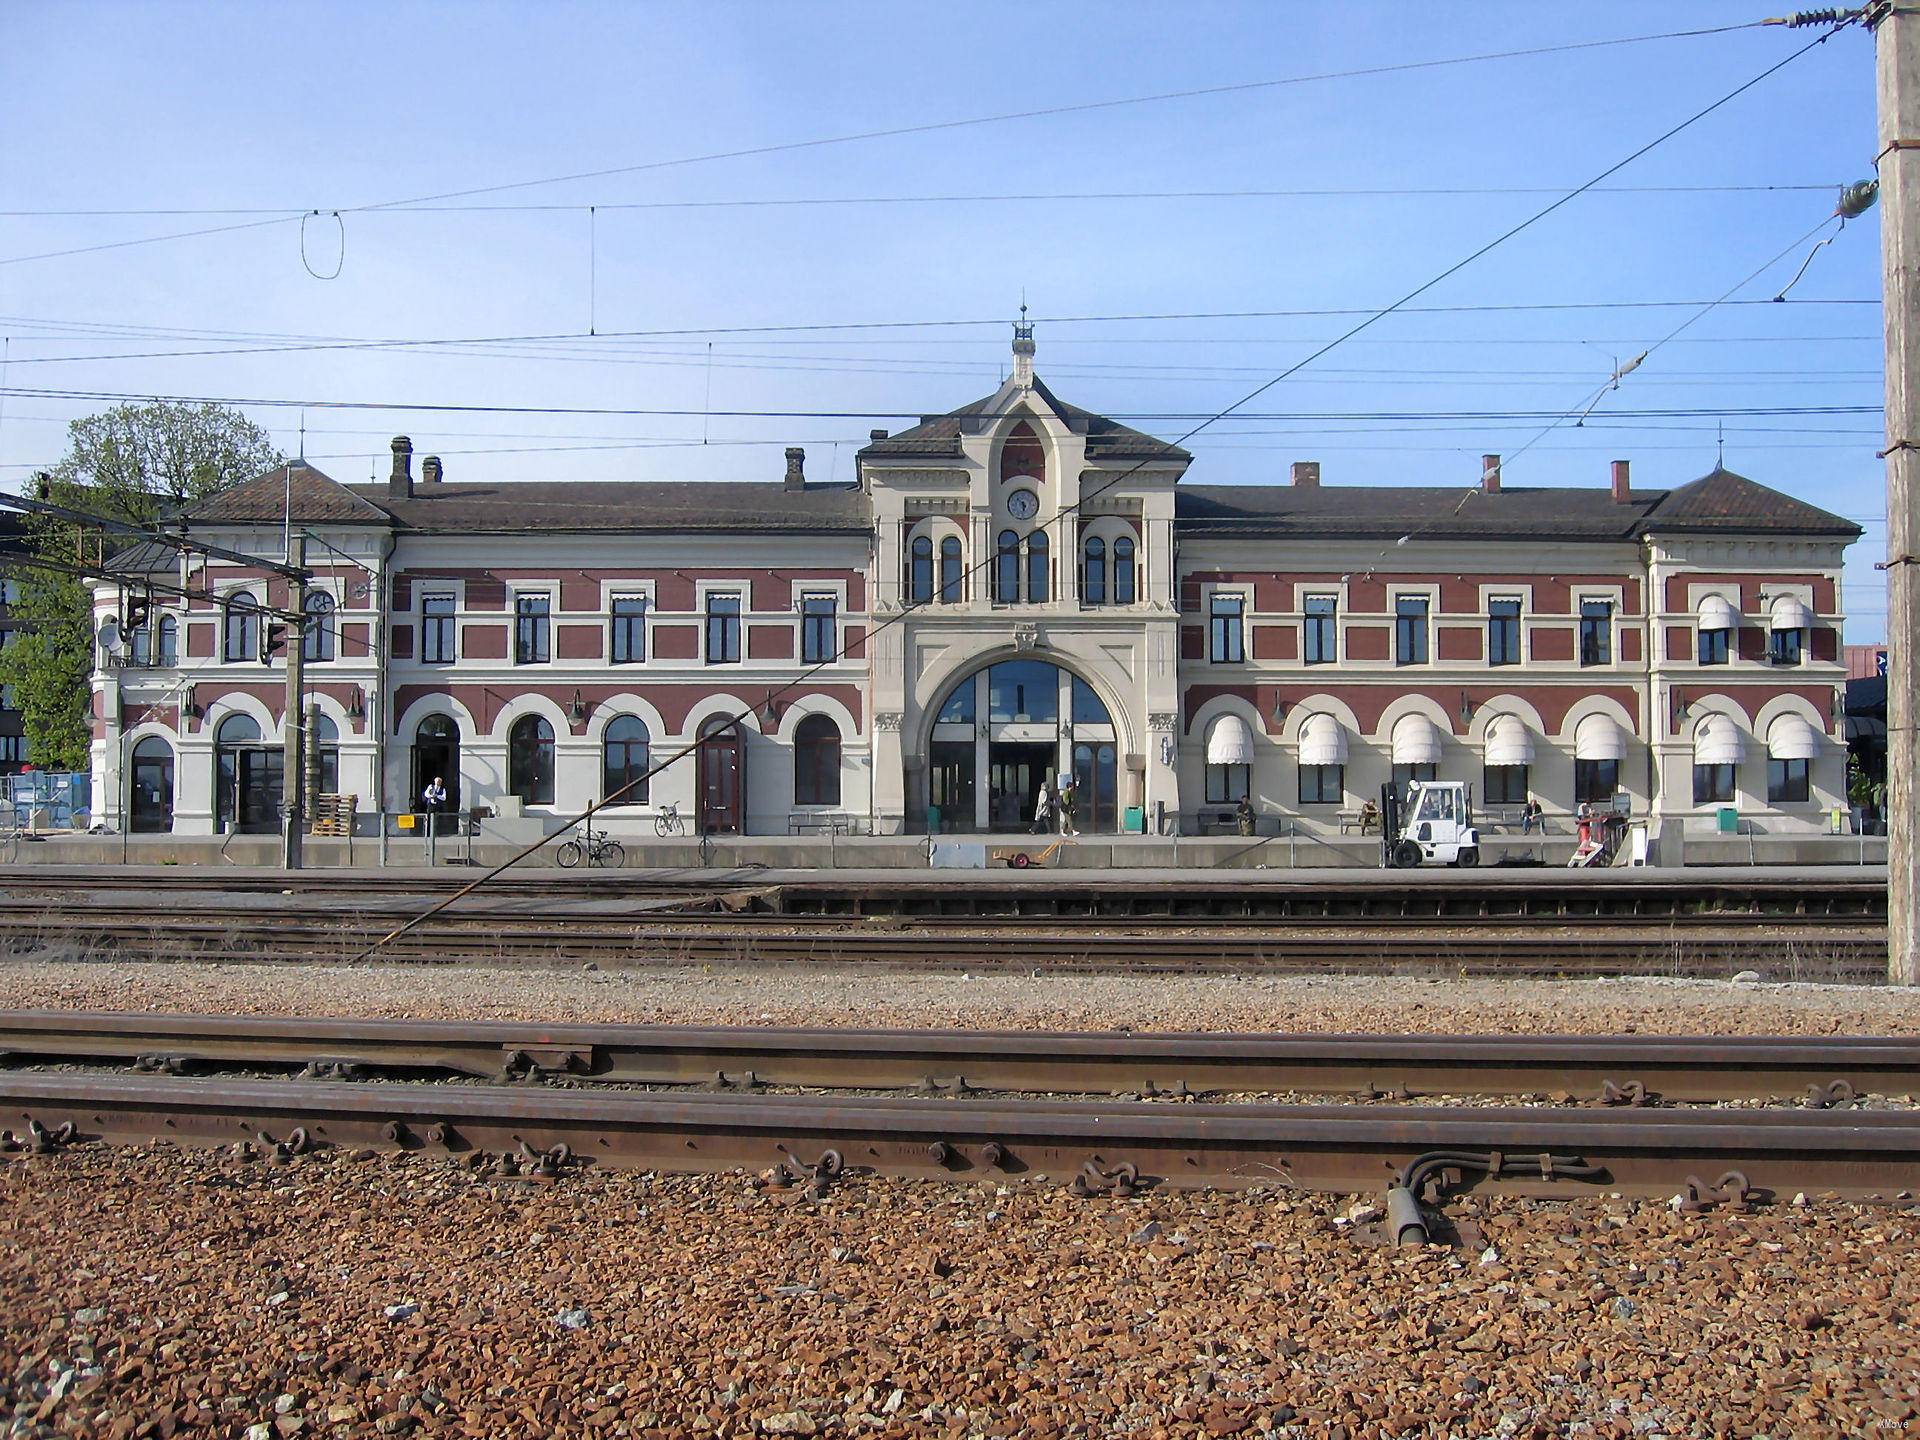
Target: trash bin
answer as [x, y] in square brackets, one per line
[1729, 821]
[933, 819]
[1134, 820]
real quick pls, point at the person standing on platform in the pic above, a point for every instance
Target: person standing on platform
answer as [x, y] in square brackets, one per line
[1043, 810]
[433, 800]
[1068, 793]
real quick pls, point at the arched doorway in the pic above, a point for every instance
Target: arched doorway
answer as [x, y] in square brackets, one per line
[436, 754]
[1009, 728]
[248, 783]
[723, 778]
[151, 807]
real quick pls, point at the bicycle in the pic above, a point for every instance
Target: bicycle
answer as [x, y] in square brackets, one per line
[596, 849]
[668, 822]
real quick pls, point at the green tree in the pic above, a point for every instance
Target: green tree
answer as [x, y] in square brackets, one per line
[134, 462]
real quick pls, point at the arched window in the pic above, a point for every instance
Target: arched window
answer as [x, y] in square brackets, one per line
[816, 762]
[1023, 456]
[242, 627]
[1123, 570]
[158, 641]
[530, 760]
[1006, 569]
[234, 734]
[1093, 584]
[623, 760]
[319, 631]
[324, 736]
[436, 756]
[1039, 571]
[950, 570]
[151, 798]
[920, 571]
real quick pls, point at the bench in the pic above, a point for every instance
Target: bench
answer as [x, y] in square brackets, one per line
[1367, 823]
[819, 822]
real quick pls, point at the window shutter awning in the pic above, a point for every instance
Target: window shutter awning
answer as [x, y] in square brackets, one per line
[1508, 742]
[1229, 741]
[1322, 741]
[1416, 741]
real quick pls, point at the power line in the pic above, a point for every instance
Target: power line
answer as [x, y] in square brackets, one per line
[293, 212]
[930, 127]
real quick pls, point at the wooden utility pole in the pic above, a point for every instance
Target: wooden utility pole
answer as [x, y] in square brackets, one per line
[293, 726]
[1896, 30]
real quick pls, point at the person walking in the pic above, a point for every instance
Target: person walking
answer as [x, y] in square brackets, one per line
[433, 800]
[1043, 810]
[1068, 792]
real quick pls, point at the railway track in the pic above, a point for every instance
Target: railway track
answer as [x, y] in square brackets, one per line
[1651, 1068]
[523, 929]
[1415, 1152]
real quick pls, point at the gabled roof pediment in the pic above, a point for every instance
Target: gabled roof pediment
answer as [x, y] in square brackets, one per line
[295, 490]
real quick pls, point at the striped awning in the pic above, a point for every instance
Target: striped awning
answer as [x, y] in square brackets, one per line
[1789, 613]
[1717, 613]
[1718, 742]
[1323, 741]
[1598, 738]
[1509, 742]
[1791, 738]
[1229, 741]
[1416, 741]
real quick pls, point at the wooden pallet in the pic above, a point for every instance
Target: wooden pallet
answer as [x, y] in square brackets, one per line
[333, 814]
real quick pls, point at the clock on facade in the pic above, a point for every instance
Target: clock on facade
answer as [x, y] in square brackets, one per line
[1023, 504]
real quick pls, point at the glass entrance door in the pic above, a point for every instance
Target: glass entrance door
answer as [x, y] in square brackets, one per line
[260, 791]
[152, 781]
[1095, 783]
[1015, 774]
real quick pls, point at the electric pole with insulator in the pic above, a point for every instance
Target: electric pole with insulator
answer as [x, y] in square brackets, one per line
[293, 767]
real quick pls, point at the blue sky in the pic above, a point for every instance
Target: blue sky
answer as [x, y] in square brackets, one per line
[272, 110]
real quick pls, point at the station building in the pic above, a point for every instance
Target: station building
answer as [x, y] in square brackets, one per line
[1014, 590]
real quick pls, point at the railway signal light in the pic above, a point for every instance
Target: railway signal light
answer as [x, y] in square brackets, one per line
[139, 608]
[273, 641]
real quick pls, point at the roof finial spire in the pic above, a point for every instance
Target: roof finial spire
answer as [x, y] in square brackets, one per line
[1023, 347]
[1720, 448]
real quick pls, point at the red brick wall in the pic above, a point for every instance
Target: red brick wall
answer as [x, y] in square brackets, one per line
[578, 593]
[1275, 642]
[769, 642]
[1368, 642]
[1680, 643]
[1459, 642]
[403, 642]
[1552, 643]
[483, 642]
[674, 702]
[1630, 645]
[200, 641]
[676, 642]
[576, 642]
[1193, 642]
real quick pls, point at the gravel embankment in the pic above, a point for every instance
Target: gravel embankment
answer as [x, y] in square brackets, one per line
[853, 996]
[209, 1294]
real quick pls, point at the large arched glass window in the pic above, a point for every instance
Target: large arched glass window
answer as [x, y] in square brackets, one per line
[530, 760]
[1023, 456]
[1006, 569]
[920, 570]
[1123, 591]
[242, 626]
[1039, 571]
[319, 631]
[623, 761]
[950, 570]
[1093, 583]
[816, 762]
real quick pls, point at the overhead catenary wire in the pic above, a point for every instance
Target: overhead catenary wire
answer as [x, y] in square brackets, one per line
[1066, 512]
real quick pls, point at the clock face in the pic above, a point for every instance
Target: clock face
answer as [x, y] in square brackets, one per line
[1023, 504]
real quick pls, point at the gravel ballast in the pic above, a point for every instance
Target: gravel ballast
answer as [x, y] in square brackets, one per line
[155, 1292]
[853, 996]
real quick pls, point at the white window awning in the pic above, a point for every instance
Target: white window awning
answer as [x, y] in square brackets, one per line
[1792, 738]
[1229, 741]
[1509, 742]
[1718, 742]
[1323, 741]
[1598, 738]
[1790, 613]
[1416, 741]
[1717, 613]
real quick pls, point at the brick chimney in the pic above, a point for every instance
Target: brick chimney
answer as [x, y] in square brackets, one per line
[1622, 491]
[430, 472]
[1490, 474]
[796, 468]
[400, 482]
[1306, 474]
[876, 435]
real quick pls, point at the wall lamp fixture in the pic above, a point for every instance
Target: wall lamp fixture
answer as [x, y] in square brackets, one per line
[1466, 707]
[576, 709]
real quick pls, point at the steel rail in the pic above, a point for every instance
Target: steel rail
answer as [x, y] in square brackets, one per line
[1676, 1068]
[1096, 1144]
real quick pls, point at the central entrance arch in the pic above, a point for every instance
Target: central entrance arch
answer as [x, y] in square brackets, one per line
[1008, 728]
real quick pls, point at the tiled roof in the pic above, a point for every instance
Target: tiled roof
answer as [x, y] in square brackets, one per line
[1722, 500]
[312, 495]
[940, 434]
[630, 505]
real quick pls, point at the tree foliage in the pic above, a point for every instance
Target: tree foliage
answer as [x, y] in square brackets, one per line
[137, 463]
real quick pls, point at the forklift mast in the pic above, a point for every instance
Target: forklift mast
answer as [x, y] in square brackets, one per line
[1389, 823]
